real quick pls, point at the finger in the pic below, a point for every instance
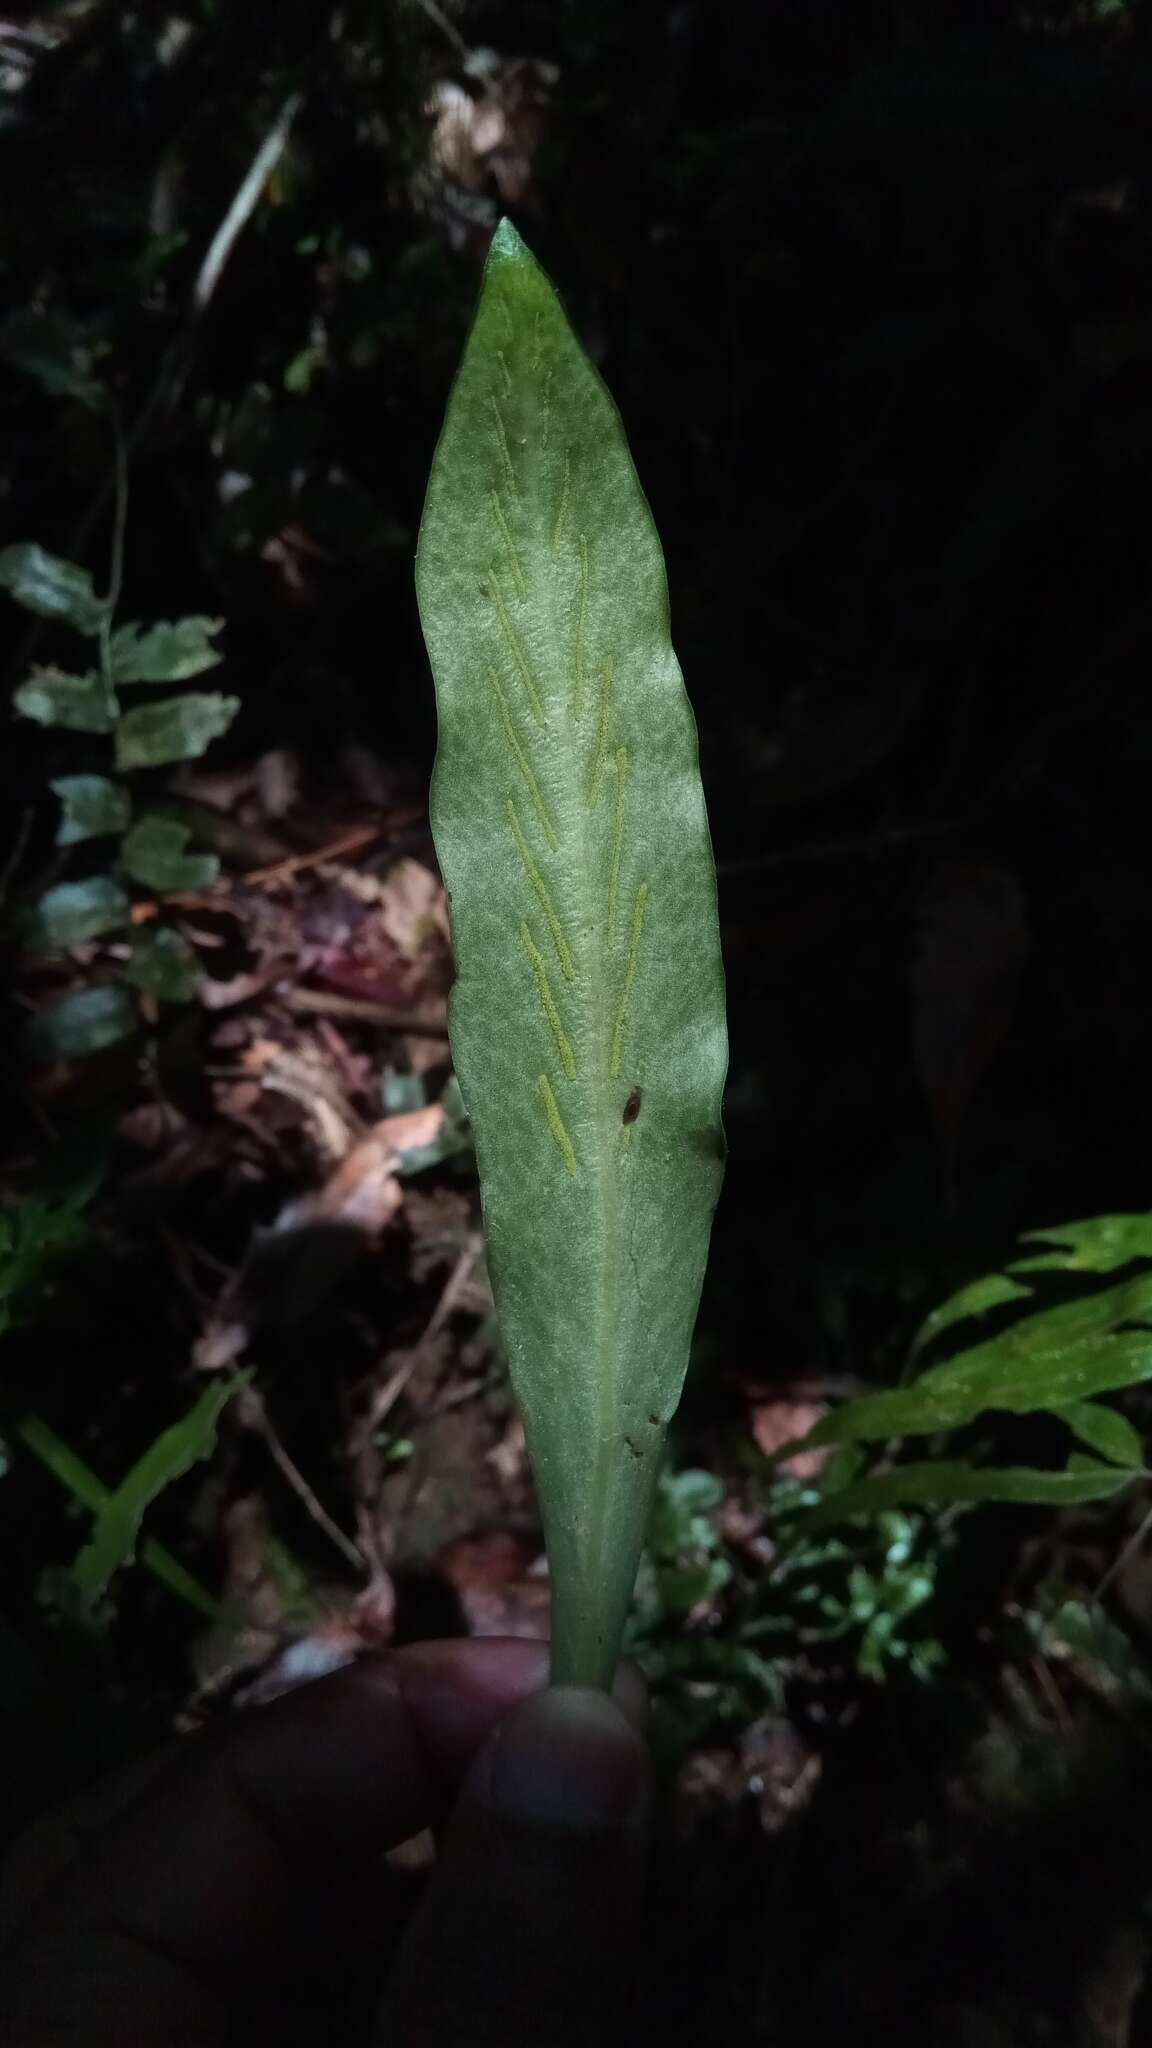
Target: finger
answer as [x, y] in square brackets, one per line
[49, 1849]
[257, 1860]
[455, 1720]
[529, 1927]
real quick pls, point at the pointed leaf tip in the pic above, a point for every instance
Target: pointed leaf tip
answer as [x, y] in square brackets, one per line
[506, 243]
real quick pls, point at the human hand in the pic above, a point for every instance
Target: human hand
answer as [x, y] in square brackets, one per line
[234, 1889]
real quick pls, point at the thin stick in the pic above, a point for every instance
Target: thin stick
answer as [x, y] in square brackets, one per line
[262, 878]
[15, 853]
[120, 518]
[255, 1416]
[315, 1003]
[362, 1449]
[244, 204]
[296, 863]
[453, 1288]
[116, 564]
[446, 27]
[1123, 1557]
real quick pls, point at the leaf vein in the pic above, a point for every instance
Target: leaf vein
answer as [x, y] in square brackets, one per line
[496, 595]
[522, 761]
[581, 609]
[502, 441]
[617, 840]
[602, 733]
[562, 508]
[541, 887]
[629, 979]
[506, 536]
[548, 1001]
[557, 1125]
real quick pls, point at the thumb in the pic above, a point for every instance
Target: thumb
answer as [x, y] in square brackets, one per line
[529, 1929]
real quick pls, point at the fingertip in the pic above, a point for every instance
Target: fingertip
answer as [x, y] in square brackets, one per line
[457, 1692]
[570, 1757]
[382, 1745]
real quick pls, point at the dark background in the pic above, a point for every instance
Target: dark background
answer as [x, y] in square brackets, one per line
[872, 287]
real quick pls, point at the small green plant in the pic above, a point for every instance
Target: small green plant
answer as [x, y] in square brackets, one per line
[152, 850]
[704, 1677]
[720, 1639]
[587, 1019]
[1027, 1358]
[866, 1590]
[35, 1234]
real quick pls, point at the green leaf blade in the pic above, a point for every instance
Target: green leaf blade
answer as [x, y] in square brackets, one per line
[162, 964]
[179, 729]
[83, 1023]
[92, 807]
[51, 587]
[941, 1482]
[75, 703]
[155, 853]
[118, 1516]
[995, 1290]
[70, 1469]
[73, 912]
[164, 653]
[588, 1016]
[1099, 1244]
[1106, 1432]
[1095, 1344]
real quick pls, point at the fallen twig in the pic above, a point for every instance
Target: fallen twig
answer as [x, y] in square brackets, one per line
[254, 1415]
[388, 1395]
[317, 1003]
[244, 204]
[296, 863]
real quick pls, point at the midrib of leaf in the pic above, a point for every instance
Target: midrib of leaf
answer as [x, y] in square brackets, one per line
[608, 1174]
[571, 728]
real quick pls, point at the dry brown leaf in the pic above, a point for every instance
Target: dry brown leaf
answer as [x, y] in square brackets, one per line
[492, 1575]
[775, 1423]
[224, 995]
[508, 1456]
[412, 907]
[362, 1192]
[410, 1130]
[278, 781]
[423, 1055]
[496, 133]
[260, 1054]
[305, 1076]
